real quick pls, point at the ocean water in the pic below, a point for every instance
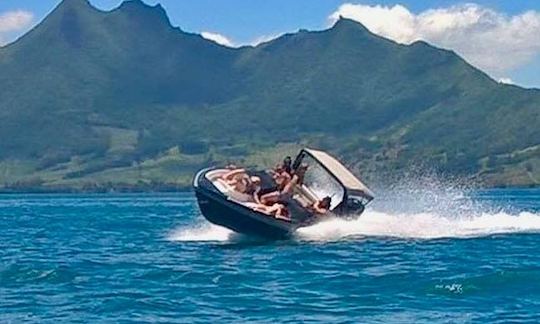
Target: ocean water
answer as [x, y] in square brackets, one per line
[424, 256]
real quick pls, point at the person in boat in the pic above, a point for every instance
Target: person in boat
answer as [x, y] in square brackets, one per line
[300, 174]
[284, 195]
[284, 166]
[238, 179]
[234, 174]
[254, 189]
[287, 165]
[280, 178]
[280, 175]
[277, 210]
[321, 207]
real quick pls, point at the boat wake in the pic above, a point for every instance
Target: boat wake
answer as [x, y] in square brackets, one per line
[423, 208]
[202, 233]
[381, 224]
[421, 226]
[426, 207]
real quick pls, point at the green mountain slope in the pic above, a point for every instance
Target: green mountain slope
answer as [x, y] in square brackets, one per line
[92, 99]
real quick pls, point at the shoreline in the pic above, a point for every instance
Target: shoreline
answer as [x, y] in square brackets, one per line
[104, 190]
[164, 190]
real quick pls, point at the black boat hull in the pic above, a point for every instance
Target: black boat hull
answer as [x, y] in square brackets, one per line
[219, 210]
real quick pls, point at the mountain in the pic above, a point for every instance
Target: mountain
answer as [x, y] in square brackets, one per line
[92, 99]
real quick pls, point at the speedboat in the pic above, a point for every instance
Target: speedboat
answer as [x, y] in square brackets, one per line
[222, 205]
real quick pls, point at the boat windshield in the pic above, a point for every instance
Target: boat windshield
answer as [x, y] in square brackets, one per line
[321, 182]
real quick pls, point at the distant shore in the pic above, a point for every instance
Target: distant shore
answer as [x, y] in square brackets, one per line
[155, 189]
[100, 190]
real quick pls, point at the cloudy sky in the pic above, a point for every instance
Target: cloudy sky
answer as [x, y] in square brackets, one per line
[501, 37]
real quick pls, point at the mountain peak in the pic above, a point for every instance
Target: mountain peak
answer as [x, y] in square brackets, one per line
[139, 5]
[134, 3]
[348, 24]
[75, 4]
[140, 9]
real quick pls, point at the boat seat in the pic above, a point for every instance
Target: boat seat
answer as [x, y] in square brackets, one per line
[229, 191]
[215, 174]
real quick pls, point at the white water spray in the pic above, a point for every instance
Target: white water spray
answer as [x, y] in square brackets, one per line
[420, 226]
[421, 208]
[206, 232]
[424, 207]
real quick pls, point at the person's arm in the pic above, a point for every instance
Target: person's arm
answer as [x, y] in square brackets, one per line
[290, 185]
[319, 210]
[256, 196]
[286, 176]
[231, 174]
[272, 209]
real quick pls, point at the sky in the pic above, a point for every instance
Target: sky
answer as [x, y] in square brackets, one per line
[501, 37]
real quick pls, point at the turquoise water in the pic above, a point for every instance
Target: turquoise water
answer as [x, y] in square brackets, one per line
[435, 257]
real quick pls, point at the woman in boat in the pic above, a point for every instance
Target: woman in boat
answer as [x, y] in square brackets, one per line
[321, 207]
[277, 210]
[238, 179]
[234, 174]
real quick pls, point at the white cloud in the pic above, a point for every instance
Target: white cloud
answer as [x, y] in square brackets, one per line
[14, 22]
[506, 81]
[225, 41]
[218, 38]
[263, 39]
[490, 40]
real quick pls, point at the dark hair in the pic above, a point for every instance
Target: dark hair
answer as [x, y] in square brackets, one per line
[287, 161]
[326, 202]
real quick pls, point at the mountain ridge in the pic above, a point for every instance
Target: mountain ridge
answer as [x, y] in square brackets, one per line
[100, 93]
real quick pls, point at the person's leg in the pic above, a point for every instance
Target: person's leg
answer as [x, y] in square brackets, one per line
[270, 198]
[281, 213]
[261, 208]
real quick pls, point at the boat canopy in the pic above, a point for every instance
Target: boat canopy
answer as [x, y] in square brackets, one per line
[351, 183]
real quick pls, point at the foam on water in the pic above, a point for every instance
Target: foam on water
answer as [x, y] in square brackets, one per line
[427, 206]
[376, 223]
[421, 226]
[206, 232]
[418, 207]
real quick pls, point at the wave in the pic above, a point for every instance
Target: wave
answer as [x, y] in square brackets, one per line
[428, 206]
[415, 207]
[381, 224]
[204, 233]
[421, 226]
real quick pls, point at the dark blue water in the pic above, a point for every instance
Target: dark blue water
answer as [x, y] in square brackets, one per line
[152, 258]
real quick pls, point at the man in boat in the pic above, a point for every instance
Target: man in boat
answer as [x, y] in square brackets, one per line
[286, 193]
[284, 166]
